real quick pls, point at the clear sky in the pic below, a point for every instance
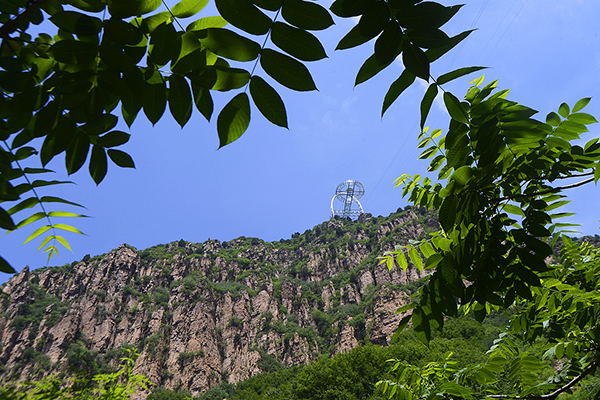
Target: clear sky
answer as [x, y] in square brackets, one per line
[273, 182]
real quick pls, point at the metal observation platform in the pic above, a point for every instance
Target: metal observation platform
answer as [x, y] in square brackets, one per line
[348, 193]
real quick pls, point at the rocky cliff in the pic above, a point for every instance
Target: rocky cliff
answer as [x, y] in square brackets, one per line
[199, 314]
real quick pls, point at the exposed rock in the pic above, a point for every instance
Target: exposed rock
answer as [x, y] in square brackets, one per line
[203, 313]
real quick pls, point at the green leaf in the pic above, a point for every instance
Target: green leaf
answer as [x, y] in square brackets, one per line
[352, 39]
[188, 8]
[244, 15]
[582, 118]
[553, 119]
[32, 218]
[462, 175]
[455, 109]
[306, 15]
[77, 153]
[426, 14]
[230, 78]
[63, 214]
[296, 42]
[389, 44]
[37, 233]
[402, 263]
[155, 96]
[351, 8]
[374, 19]
[113, 139]
[98, 164]
[63, 242]
[206, 22]
[415, 258]
[450, 76]
[129, 8]
[67, 227]
[228, 44]
[512, 209]
[203, 100]
[233, 119]
[271, 5]
[369, 69]
[180, 99]
[6, 221]
[434, 54]
[427, 249]
[25, 204]
[427, 101]
[6, 267]
[51, 199]
[416, 61]
[161, 49]
[564, 110]
[428, 38]
[121, 158]
[74, 52]
[581, 104]
[400, 85]
[287, 71]
[268, 102]
[421, 325]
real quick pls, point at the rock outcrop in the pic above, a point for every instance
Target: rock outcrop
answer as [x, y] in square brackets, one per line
[199, 314]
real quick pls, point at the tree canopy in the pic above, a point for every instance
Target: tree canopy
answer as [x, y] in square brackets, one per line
[93, 60]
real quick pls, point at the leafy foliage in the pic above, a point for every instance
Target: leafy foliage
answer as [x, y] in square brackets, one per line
[65, 87]
[497, 206]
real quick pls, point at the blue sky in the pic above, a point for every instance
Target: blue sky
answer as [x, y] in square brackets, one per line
[273, 182]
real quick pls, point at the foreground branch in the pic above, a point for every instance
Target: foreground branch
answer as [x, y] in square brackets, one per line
[553, 395]
[553, 190]
[12, 25]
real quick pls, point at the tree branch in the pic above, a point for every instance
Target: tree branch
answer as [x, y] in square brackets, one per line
[553, 395]
[553, 190]
[11, 25]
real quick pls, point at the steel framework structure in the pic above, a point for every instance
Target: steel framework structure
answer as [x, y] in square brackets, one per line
[348, 193]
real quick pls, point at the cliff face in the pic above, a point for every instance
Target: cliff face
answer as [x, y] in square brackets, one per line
[202, 313]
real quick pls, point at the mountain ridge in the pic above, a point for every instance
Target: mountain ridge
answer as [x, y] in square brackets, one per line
[202, 314]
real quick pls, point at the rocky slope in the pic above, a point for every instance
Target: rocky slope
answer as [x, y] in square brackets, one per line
[199, 314]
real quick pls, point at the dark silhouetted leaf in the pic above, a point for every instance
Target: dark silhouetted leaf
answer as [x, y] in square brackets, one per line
[415, 61]
[400, 85]
[389, 44]
[297, 42]
[155, 96]
[374, 19]
[268, 102]
[188, 8]
[113, 139]
[306, 15]
[203, 100]
[233, 119]
[180, 99]
[426, 15]
[287, 71]
[244, 15]
[129, 8]
[77, 153]
[351, 8]
[455, 109]
[352, 39]
[207, 22]
[427, 101]
[271, 5]
[98, 164]
[228, 44]
[428, 38]
[121, 158]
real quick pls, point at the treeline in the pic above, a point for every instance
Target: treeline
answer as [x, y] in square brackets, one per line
[353, 375]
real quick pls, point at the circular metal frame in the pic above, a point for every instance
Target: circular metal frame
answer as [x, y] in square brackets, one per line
[348, 192]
